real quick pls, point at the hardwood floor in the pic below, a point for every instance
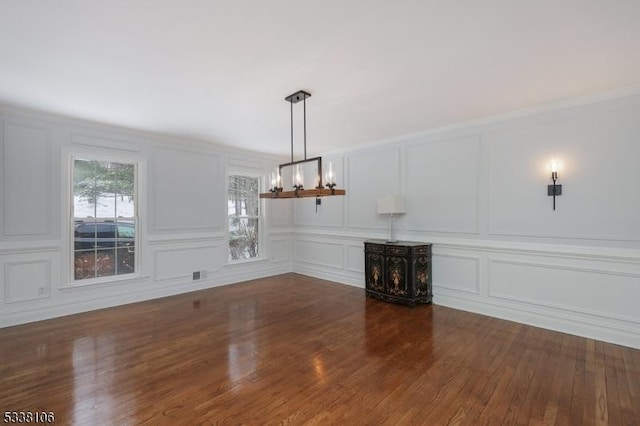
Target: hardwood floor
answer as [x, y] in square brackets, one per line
[297, 350]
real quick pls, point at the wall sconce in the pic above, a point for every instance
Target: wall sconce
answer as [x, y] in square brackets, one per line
[391, 204]
[554, 190]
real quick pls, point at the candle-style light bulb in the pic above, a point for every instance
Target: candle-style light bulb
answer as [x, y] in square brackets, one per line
[298, 178]
[331, 177]
[554, 166]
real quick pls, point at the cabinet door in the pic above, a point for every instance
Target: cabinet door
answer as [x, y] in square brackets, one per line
[421, 266]
[397, 276]
[374, 267]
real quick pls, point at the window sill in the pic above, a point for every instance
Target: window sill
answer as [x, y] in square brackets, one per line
[108, 281]
[246, 261]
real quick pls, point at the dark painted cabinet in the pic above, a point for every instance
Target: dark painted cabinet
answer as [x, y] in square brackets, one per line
[398, 272]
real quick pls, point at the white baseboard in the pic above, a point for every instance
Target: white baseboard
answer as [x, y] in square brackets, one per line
[339, 276]
[566, 322]
[58, 310]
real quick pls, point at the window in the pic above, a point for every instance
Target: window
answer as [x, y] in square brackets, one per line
[103, 219]
[243, 206]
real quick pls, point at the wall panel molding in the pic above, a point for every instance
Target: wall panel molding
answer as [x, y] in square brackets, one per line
[319, 253]
[371, 174]
[26, 247]
[186, 187]
[440, 201]
[465, 284]
[355, 258]
[180, 262]
[582, 289]
[279, 249]
[103, 142]
[244, 163]
[163, 239]
[27, 280]
[26, 169]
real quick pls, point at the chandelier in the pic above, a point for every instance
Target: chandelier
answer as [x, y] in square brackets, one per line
[325, 185]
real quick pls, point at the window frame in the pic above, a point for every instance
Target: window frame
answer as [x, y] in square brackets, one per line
[99, 155]
[261, 232]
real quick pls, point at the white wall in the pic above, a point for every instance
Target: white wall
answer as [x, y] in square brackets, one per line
[182, 213]
[478, 192]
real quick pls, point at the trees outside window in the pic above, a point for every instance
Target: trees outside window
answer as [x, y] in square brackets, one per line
[243, 207]
[104, 220]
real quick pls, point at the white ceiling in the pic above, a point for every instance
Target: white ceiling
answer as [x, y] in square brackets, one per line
[219, 70]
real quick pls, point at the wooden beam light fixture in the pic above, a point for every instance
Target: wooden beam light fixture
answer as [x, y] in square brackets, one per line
[325, 184]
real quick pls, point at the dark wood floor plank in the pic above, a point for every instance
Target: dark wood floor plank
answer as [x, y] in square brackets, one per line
[600, 385]
[611, 383]
[297, 350]
[630, 372]
[562, 385]
[578, 393]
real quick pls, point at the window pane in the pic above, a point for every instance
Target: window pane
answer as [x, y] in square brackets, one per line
[244, 196]
[84, 264]
[103, 189]
[126, 230]
[125, 260]
[243, 238]
[243, 206]
[84, 188]
[124, 189]
[85, 229]
[103, 194]
[105, 263]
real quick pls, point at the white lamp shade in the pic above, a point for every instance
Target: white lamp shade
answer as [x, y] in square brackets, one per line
[391, 204]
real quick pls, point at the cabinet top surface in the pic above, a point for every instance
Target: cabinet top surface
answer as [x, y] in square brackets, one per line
[397, 243]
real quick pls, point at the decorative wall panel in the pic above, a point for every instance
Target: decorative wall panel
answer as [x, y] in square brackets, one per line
[355, 258]
[595, 292]
[27, 280]
[370, 175]
[181, 262]
[189, 191]
[442, 185]
[454, 272]
[319, 253]
[26, 181]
